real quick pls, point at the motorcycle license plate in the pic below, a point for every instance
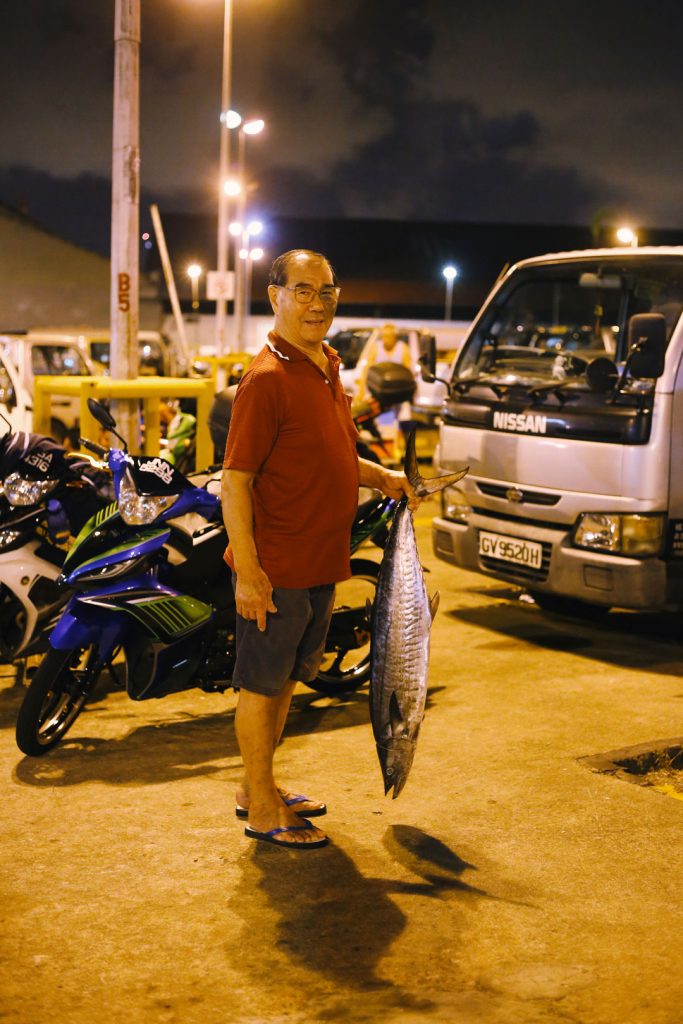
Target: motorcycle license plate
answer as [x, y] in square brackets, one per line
[510, 549]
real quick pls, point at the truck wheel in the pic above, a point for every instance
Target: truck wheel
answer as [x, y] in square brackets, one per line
[559, 604]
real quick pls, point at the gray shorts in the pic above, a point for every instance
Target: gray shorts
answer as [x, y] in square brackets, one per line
[292, 644]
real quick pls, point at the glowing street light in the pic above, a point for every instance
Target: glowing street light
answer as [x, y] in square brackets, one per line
[231, 119]
[627, 236]
[194, 272]
[254, 227]
[254, 127]
[231, 187]
[450, 273]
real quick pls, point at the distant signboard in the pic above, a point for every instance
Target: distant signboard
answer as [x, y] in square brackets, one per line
[220, 284]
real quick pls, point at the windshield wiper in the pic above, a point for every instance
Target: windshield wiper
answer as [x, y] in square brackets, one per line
[552, 388]
[462, 386]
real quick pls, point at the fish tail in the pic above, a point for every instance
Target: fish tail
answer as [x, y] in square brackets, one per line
[431, 486]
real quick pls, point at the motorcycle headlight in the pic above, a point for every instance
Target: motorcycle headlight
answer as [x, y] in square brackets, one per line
[108, 572]
[20, 491]
[637, 536]
[137, 508]
[454, 505]
[8, 538]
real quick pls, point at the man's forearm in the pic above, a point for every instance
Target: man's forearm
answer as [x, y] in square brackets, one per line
[238, 516]
[371, 474]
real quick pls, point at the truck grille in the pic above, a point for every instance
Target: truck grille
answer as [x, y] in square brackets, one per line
[528, 497]
[519, 573]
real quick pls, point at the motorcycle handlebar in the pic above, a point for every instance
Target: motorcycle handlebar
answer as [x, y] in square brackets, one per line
[96, 449]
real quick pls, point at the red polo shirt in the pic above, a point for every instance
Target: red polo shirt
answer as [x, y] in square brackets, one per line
[291, 426]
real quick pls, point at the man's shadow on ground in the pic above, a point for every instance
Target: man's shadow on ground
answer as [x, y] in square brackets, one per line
[332, 921]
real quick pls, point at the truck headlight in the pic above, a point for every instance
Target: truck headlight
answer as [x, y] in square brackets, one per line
[635, 535]
[454, 505]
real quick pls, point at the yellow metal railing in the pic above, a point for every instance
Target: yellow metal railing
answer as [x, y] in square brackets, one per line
[226, 363]
[151, 391]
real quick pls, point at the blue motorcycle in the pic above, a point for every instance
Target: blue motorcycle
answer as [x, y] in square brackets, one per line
[151, 597]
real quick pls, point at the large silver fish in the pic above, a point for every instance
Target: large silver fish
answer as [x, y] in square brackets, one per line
[402, 619]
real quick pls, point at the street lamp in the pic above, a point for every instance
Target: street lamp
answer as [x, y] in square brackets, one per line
[450, 273]
[194, 272]
[253, 255]
[226, 120]
[627, 236]
[252, 127]
[244, 256]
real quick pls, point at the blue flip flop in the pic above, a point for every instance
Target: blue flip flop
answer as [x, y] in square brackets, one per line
[269, 837]
[317, 812]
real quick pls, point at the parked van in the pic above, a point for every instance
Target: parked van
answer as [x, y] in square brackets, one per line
[428, 399]
[23, 356]
[566, 402]
[159, 357]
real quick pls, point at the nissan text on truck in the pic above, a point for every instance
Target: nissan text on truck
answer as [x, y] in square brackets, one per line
[566, 402]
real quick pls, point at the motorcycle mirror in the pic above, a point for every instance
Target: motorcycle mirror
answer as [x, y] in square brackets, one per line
[102, 414]
[602, 375]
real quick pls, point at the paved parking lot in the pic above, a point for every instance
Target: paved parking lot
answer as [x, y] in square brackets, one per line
[507, 884]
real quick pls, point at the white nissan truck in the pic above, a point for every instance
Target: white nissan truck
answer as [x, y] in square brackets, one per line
[566, 402]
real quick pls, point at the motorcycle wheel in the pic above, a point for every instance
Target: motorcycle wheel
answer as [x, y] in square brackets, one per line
[55, 698]
[347, 667]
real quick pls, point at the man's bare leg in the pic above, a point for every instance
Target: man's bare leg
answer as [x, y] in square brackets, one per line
[257, 721]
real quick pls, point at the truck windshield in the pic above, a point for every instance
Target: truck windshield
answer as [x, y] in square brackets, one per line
[58, 361]
[574, 310]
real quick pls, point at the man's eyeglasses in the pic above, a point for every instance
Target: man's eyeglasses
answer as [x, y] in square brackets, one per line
[303, 293]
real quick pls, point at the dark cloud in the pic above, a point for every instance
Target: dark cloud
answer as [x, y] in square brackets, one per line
[448, 161]
[389, 73]
[434, 108]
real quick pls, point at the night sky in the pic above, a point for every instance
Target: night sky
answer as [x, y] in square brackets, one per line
[525, 111]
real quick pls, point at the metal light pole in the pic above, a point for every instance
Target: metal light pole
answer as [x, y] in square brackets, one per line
[243, 261]
[125, 204]
[222, 241]
[253, 127]
[254, 255]
[194, 272]
[450, 273]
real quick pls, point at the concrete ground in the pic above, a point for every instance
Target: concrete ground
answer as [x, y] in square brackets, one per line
[508, 884]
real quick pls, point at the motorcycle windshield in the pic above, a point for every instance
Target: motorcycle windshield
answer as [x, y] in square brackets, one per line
[156, 477]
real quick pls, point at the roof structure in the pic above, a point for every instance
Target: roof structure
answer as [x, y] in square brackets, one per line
[47, 281]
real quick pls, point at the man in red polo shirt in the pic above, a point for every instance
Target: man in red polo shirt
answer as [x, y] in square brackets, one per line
[289, 493]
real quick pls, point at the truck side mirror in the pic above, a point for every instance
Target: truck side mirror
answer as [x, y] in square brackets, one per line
[428, 359]
[646, 345]
[602, 375]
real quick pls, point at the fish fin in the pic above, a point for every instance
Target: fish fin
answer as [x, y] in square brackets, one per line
[434, 604]
[410, 467]
[396, 718]
[422, 486]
